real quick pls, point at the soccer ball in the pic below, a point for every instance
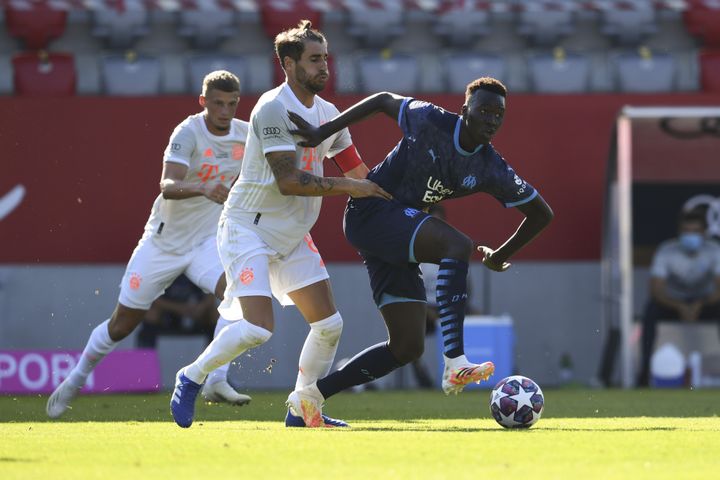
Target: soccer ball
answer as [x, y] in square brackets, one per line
[516, 402]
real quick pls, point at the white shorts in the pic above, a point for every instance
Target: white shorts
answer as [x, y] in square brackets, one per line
[252, 268]
[151, 270]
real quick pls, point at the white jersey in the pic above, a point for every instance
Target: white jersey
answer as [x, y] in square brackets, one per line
[282, 221]
[176, 226]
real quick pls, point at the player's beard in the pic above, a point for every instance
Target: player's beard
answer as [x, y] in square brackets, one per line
[314, 84]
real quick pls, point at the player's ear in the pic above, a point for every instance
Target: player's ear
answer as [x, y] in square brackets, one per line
[201, 101]
[463, 110]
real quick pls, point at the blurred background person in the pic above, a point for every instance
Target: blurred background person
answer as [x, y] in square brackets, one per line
[684, 283]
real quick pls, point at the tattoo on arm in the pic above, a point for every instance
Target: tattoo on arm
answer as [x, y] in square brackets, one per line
[282, 164]
[284, 169]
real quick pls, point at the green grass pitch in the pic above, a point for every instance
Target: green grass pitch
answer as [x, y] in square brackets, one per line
[584, 434]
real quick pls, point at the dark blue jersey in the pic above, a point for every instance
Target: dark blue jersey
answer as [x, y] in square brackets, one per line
[428, 165]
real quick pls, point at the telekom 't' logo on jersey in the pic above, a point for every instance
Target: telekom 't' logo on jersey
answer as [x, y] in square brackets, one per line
[208, 171]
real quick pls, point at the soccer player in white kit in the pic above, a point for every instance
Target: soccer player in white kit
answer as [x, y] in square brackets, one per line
[263, 235]
[201, 161]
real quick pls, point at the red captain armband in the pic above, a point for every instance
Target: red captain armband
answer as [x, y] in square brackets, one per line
[348, 159]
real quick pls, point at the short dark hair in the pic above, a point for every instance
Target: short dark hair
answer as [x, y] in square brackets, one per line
[290, 42]
[489, 84]
[696, 215]
[220, 80]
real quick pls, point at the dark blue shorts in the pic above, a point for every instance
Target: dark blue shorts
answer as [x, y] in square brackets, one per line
[383, 232]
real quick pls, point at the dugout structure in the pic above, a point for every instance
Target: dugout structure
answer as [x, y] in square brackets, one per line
[661, 160]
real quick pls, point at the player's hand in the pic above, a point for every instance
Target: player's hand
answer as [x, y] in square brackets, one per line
[313, 135]
[490, 262]
[217, 192]
[366, 188]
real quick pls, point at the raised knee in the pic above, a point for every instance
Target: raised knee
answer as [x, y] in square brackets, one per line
[409, 352]
[460, 248]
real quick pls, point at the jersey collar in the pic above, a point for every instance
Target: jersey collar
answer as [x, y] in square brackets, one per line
[297, 102]
[456, 140]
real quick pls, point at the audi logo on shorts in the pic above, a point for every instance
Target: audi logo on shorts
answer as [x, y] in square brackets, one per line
[271, 131]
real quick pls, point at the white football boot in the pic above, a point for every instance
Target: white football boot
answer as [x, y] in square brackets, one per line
[307, 403]
[223, 392]
[459, 372]
[60, 399]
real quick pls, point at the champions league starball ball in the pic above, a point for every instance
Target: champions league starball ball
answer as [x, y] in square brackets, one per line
[516, 402]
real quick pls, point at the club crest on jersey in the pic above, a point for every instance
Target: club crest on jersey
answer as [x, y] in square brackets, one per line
[469, 182]
[411, 212]
[135, 281]
[247, 276]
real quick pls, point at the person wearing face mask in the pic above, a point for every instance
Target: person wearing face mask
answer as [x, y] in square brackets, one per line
[684, 283]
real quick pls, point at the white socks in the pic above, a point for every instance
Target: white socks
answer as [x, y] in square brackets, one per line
[318, 352]
[98, 345]
[220, 373]
[232, 340]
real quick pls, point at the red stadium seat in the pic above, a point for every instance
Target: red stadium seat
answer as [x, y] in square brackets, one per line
[44, 74]
[702, 19]
[278, 15]
[279, 75]
[710, 70]
[35, 26]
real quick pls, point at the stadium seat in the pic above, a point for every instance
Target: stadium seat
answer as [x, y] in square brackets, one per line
[120, 29]
[461, 69]
[42, 73]
[629, 22]
[398, 74]
[375, 23]
[277, 15]
[545, 22]
[710, 71]
[702, 19]
[206, 29]
[645, 72]
[559, 72]
[461, 22]
[130, 75]
[279, 75]
[35, 26]
[200, 66]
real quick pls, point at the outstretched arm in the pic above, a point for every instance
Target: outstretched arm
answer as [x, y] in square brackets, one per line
[384, 102]
[293, 181]
[538, 215]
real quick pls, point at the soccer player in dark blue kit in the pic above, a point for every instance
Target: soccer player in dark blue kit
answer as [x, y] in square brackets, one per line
[442, 155]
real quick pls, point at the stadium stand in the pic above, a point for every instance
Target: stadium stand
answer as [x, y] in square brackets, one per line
[459, 23]
[120, 29]
[375, 24]
[277, 15]
[629, 22]
[559, 72]
[200, 66]
[645, 71]
[44, 74]
[546, 22]
[35, 26]
[504, 38]
[130, 75]
[399, 74]
[206, 29]
[460, 69]
[702, 19]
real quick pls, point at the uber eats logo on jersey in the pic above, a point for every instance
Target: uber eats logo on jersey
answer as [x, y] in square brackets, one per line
[436, 191]
[271, 132]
